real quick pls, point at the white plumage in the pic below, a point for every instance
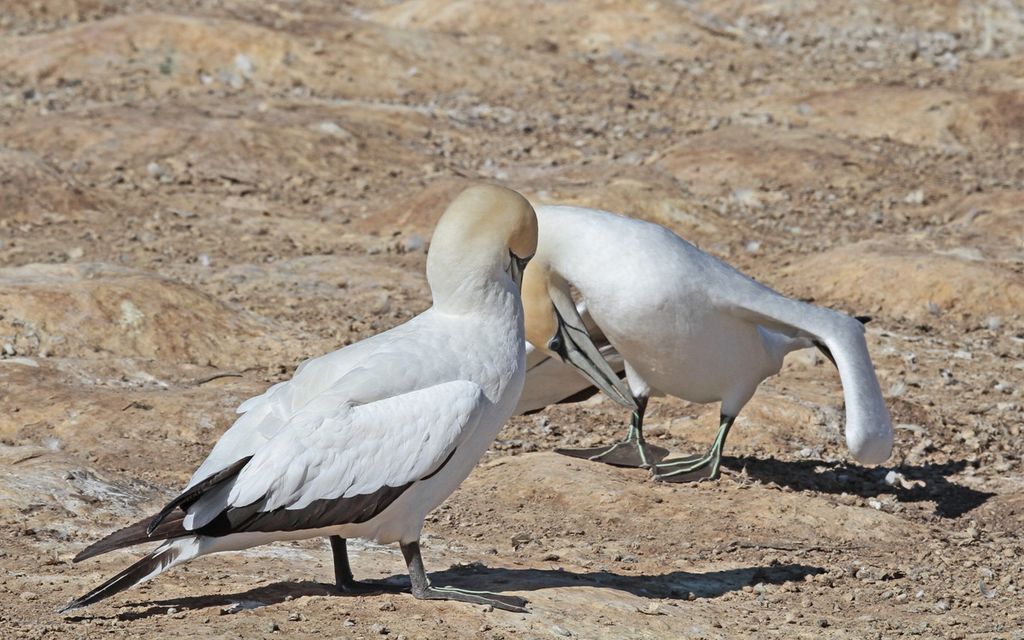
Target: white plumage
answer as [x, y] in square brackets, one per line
[365, 441]
[682, 323]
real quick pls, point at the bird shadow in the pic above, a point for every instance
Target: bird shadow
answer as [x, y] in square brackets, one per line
[926, 482]
[679, 585]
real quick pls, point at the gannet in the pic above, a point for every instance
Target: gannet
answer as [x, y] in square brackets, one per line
[365, 441]
[677, 321]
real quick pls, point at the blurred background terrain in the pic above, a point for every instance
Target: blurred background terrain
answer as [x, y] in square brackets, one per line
[195, 196]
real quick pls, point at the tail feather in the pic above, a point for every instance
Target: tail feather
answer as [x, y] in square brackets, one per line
[166, 556]
[869, 433]
[170, 527]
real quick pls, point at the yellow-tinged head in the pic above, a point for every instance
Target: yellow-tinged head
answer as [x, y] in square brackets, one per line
[552, 324]
[486, 231]
[538, 311]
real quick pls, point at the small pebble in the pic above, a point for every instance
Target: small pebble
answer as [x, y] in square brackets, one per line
[413, 243]
[244, 64]
[560, 631]
[332, 129]
[915, 197]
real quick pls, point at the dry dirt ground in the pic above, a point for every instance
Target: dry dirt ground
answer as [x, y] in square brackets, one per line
[196, 195]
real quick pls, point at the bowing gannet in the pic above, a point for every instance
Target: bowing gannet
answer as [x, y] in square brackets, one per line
[365, 441]
[680, 322]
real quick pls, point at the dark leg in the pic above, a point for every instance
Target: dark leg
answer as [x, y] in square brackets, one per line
[422, 590]
[343, 572]
[631, 452]
[695, 468]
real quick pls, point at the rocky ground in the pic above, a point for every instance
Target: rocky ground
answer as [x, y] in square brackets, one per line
[197, 195]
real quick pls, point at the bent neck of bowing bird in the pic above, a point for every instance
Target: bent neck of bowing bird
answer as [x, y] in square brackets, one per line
[484, 234]
[869, 434]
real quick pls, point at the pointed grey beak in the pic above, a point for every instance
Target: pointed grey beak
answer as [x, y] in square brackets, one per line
[517, 268]
[574, 345]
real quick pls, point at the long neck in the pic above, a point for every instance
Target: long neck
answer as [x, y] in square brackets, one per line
[869, 433]
[465, 284]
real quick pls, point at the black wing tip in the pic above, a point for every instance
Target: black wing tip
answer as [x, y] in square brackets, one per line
[83, 555]
[863, 319]
[155, 522]
[135, 534]
[189, 496]
[97, 548]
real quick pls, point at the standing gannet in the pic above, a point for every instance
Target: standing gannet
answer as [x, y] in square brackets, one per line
[365, 441]
[679, 322]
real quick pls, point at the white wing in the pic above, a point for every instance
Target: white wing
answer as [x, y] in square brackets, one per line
[360, 373]
[333, 450]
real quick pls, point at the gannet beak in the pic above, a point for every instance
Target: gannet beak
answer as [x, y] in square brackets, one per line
[573, 344]
[517, 267]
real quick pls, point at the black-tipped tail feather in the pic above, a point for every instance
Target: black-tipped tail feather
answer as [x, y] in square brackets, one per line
[145, 568]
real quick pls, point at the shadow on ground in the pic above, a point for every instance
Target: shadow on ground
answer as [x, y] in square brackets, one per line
[951, 500]
[681, 585]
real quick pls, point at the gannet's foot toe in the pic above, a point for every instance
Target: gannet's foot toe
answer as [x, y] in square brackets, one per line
[622, 454]
[687, 469]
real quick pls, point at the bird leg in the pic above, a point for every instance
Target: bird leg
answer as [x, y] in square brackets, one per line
[696, 467]
[343, 572]
[631, 452]
[422, 590]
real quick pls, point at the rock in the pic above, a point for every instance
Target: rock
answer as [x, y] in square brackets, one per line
[916, 116]
[29, 187]
[123, 42]
[902, 281]
[735, 155]
[88, 308]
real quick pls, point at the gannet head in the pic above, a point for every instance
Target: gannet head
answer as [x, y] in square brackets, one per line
[487, 233]
[553, 325]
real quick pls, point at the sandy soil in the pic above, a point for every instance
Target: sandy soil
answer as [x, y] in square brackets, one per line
[196, 196]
